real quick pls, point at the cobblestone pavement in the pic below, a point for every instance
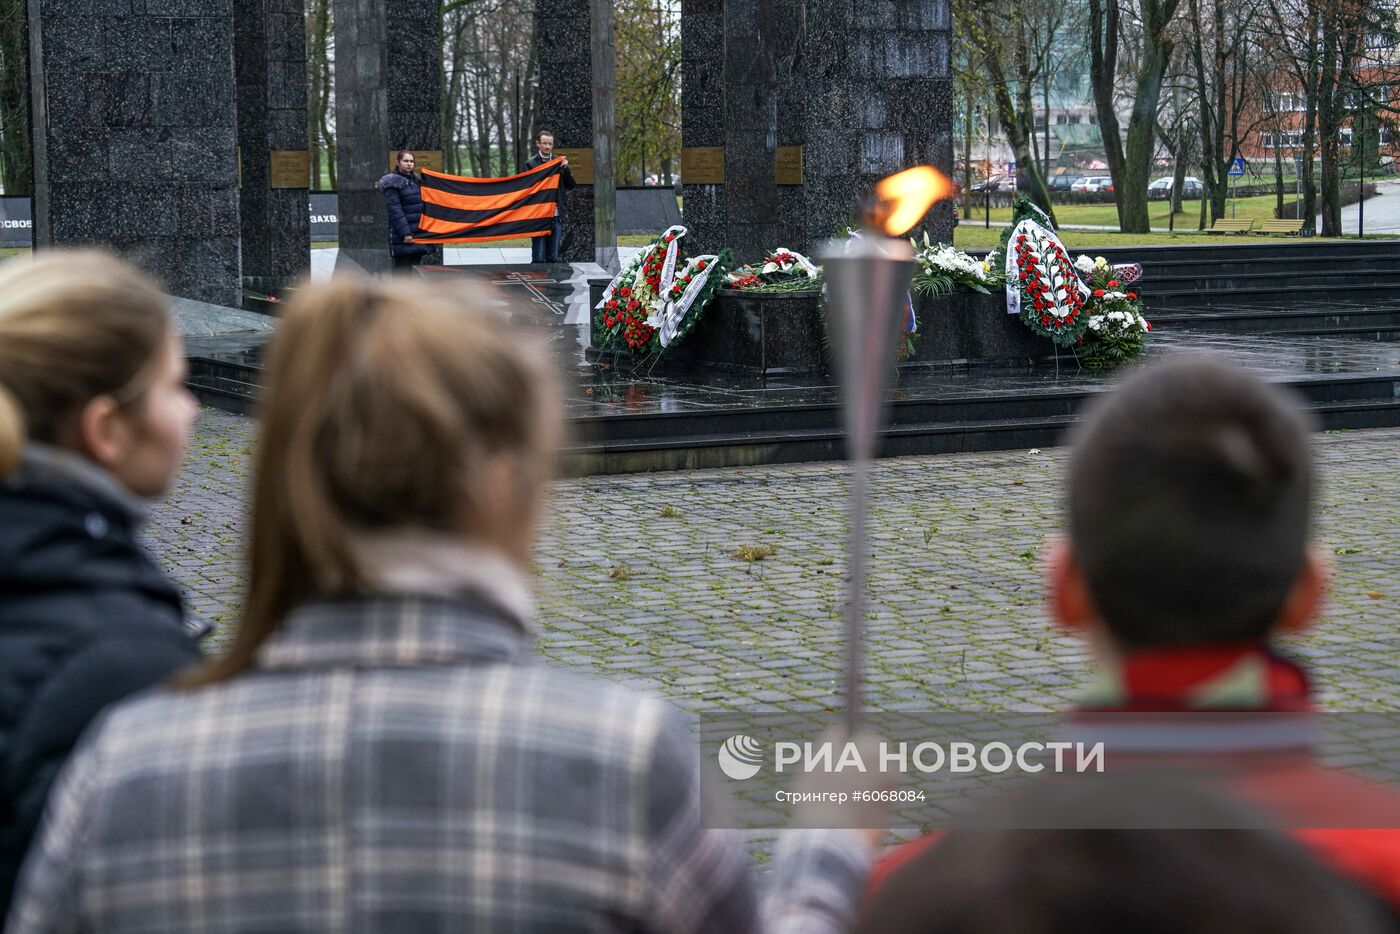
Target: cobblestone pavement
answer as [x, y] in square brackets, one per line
[643, 578]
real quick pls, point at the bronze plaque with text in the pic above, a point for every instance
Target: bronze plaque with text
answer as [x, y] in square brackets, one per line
[289, 168]
[702, 165]
[580, 163]
[787, 169]
[422, 159]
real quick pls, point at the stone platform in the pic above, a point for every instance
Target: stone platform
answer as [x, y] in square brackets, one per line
[628, 417]
[778, 334]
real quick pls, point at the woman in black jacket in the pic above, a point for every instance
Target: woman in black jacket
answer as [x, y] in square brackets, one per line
[94, 417]
[403, 205]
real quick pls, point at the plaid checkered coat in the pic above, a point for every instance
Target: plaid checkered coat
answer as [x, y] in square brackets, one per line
[402, 764]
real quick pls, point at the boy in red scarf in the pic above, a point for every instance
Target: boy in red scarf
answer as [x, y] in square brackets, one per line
[1189, 551]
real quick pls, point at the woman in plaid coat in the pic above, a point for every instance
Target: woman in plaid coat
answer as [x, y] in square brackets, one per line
[380, 750]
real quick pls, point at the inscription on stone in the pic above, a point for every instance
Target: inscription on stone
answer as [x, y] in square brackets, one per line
[422, 159]
[787, 168]
[289, 168]
[702, 165]
[580, 164]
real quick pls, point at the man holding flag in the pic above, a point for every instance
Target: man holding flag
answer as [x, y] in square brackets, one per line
[546, 249]
[459, 209]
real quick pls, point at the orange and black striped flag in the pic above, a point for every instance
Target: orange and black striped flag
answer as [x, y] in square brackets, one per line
[463, 210]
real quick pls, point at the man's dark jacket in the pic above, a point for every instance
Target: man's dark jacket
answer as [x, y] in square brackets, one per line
[85, 619]
[566, 177]
[403, 203]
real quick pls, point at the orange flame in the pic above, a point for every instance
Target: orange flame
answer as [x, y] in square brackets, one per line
[904, 198]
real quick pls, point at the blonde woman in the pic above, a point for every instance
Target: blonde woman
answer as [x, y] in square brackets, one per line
[380, 750]
[94, 418]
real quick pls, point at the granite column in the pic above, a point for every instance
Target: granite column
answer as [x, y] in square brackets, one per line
[270, 59]
[878, 99]
[563, 30]
[135, 137]
[388, 96]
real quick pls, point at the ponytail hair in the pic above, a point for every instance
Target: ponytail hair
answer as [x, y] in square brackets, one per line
[388, 402]
[74, 325]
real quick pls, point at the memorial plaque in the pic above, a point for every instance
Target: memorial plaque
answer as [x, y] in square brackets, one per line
[289, 168]
[422, 159]
[702, 165]
[787, 168]
[580, 163]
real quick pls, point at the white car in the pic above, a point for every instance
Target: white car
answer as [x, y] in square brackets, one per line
[1093, 183]
[1188, 183]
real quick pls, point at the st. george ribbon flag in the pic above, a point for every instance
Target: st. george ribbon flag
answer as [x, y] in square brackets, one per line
[457, 209]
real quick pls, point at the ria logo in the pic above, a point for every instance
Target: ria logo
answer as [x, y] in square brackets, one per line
[741, 757]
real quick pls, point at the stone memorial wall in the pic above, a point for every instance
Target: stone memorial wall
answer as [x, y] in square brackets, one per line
[134, 137]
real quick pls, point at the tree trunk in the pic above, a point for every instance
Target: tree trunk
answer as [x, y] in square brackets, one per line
[16, 156]
[1178, 171]
[1330, 125]
[604, 137]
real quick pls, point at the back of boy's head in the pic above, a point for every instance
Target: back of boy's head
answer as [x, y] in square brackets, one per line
[1190, 501]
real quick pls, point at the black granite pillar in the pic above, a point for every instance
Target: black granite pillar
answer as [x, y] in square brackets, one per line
[750, 133]
[414, 58]
[565, 106]
[388, 96]
[705, 205]
[134, 136]
[879, 99]
[784, 28]
[270, 60]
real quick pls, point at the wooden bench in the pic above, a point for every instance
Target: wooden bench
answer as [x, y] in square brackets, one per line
[1226, 225]
[1281, 226]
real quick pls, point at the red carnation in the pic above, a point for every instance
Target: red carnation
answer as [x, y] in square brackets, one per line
[700, 265]
[1149, 324]
[1045, 321]
[1132, 295]
[1098, 293]
[1112, 283]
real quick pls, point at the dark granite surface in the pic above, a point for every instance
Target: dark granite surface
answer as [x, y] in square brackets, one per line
[134, 142]
[362, 129]
[565, 108]
[879, 99]
[270, 65]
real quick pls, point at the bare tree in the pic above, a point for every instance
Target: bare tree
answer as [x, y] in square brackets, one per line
[16, 157]
[1130, 165]
[1012, 73]
[490, 70]
[320, 91]
[1220, 47]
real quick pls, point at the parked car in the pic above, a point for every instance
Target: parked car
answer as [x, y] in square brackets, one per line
[1191, 187]
[991, 182]
[1063, 182]
[1093, 183]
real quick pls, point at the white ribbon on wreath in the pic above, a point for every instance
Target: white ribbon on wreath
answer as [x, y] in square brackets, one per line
[1040, 232]
[668, 268]
[674, 312]
[638, 261]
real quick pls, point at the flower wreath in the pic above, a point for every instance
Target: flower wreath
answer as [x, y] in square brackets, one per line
[639, 312]
[1042, 285]
[783, 269]
[1116, 330]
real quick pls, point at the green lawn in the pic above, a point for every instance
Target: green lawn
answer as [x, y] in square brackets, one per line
[1259, 207]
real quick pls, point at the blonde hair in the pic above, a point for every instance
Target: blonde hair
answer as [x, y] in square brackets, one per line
[74, 325]
[387, 403]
